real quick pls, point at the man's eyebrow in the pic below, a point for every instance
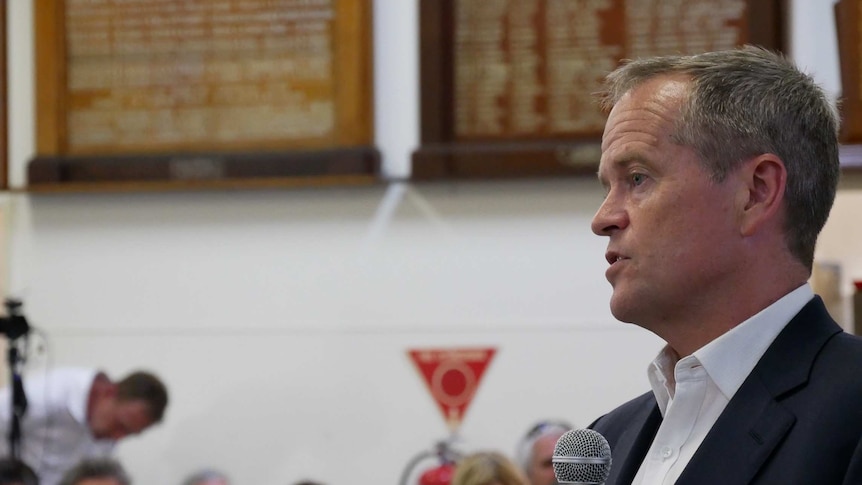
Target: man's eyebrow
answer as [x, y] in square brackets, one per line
[628, 158]
[620, 164]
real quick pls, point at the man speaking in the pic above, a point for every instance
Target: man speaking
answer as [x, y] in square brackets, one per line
[720, 170]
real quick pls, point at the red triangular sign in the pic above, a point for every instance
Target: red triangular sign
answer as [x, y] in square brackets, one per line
[452, 377]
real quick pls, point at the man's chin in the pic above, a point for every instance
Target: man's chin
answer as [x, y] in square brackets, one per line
[624, 309]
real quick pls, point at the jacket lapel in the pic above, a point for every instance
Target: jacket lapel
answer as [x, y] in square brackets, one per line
[755, 422]
[634, 443]
[745, 434]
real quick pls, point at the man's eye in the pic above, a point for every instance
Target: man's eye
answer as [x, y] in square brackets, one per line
[638, 178]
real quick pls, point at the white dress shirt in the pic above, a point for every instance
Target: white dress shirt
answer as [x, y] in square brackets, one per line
[693, 391]
[55, 432]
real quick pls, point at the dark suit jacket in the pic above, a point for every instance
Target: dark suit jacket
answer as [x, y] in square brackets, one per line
[796, 419]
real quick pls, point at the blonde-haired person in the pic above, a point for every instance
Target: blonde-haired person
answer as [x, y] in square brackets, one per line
[488, 468]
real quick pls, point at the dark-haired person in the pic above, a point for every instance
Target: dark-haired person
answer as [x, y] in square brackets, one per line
[16, 472]
[96, 471]
[76, 413]
[720, 170]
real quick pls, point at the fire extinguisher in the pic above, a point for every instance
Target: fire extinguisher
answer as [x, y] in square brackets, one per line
[441, 474]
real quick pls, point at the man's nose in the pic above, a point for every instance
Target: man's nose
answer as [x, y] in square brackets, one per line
[609, 217]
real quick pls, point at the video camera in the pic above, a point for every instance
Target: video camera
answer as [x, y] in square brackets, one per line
[14, 324]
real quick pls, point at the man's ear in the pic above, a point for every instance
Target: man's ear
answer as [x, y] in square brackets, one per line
[761, 193]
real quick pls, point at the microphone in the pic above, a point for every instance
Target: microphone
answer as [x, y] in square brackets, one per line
[582, 456]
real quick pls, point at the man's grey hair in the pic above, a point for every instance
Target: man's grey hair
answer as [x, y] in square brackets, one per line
[96, 468]
[747, 102]
[524, 449]
[204, 476]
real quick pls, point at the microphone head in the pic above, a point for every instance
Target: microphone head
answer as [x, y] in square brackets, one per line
[582, 456]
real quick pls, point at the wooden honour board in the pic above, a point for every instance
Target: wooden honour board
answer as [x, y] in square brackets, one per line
[4, 100]
[507, 86]
[848, 26]
[154, 94]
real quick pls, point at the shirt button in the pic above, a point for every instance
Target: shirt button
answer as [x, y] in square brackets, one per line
[666, 452]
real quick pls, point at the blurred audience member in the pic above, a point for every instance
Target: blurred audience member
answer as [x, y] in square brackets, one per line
[207, 477]
[488, 468]
[75, 413]
[536, 448]
[96, 471]
[16, 472]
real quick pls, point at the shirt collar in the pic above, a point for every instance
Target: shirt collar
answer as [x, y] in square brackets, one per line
[745, 344]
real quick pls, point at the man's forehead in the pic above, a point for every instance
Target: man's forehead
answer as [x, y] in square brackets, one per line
[666, 90]
[139, 410]
[547, 440]
[674, 87]
[644, 114]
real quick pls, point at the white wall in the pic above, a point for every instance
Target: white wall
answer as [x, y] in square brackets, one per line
[280, 319]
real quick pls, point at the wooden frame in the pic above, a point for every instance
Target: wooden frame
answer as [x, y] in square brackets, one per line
[4, 103]
[446, 155]
[847, 27]
[341, 154]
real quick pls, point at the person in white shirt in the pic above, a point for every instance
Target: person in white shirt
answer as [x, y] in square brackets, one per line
[720, 170]
[76, 413]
